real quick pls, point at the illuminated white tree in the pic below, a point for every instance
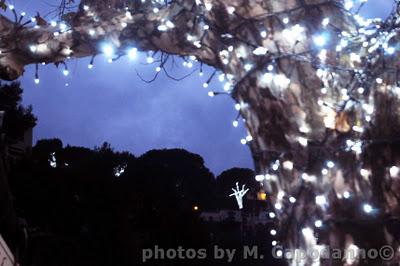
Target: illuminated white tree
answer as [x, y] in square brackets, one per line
[239, 194]
[316, 84]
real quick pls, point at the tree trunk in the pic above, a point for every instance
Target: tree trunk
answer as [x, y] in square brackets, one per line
[323, 121]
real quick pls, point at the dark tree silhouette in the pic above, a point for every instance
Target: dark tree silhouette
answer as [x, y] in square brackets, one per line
[16, 119]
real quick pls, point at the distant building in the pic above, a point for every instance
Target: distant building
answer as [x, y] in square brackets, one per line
[261, 217]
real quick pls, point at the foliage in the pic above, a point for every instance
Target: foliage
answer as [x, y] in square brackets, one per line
[80, 213]
[17, 118]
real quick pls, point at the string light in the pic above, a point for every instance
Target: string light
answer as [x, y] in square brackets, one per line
[321, 200]
[260, 178]
[33, 48]
[320, 40]
[346, 194]
[108, 50]
[318, 223]
[367, 208]
[394, 171]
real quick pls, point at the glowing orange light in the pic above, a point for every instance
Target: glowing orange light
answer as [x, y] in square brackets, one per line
[262, 195]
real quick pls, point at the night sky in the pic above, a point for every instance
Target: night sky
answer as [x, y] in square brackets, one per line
[110, 103]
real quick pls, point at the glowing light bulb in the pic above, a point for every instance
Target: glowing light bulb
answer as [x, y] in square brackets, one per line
[267, 78]
[227, 86]
[325, 22]
[263, 34]
[108, 50]
[273, 232]
[292, 199]
[367, 208]
[63, 26]
[346, 194]
[364, 172]
[348, 5]
[169, 24]
[132, 53]
[90, 66]
[302, 141]
[272, 215]
[208, 6]
[320, 200]
[162, 27]
[320, 40]
[285, 20]
[33, 48]
[394, 171]
[288, 165]
[281, 194]
[318, 223]
[37, 80]
[307, 232]
[149, 60]
[248, 67]
[65, 72]
[230, 9]
[260, 178]
[391, 50]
